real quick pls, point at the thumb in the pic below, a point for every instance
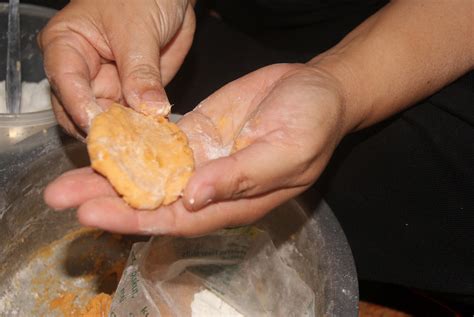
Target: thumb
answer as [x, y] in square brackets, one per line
[257, 169]
[138, 61]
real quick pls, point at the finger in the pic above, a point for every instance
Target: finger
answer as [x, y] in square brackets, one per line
[173, 54]
[70, 62]
[255, 170]
[75, 187]
[77, 171]
[138, 63]
[109, 213]
[65, 120]
[106, 84]
[113, 214]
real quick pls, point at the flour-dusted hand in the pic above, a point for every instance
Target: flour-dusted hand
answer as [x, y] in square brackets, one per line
[258, 141]
[104, 51]
[279, 126]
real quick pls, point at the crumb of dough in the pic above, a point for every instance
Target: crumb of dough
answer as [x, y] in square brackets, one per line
[65, 303]
[98, 306]
[147, 159]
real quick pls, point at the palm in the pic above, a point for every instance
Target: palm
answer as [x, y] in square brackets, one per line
[214, 126]
[269, 106]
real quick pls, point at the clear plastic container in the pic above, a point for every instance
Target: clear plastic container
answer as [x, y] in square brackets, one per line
[16, 128]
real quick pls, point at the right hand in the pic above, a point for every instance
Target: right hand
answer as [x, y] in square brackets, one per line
[103, 51]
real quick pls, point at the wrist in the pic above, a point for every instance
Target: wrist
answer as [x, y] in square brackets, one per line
[348, 85]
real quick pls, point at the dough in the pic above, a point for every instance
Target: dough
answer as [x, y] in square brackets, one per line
[147, 159]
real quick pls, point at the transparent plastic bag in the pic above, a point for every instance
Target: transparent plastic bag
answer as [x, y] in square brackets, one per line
[240, 266]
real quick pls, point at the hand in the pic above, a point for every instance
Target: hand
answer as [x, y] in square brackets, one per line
[101, 51]
[280, 126]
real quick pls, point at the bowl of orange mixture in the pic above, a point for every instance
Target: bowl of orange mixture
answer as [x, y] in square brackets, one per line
[51, 266]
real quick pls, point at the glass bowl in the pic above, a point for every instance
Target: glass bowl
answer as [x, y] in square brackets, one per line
[15, 128]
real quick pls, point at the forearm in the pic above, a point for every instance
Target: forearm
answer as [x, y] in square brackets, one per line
[401, 54]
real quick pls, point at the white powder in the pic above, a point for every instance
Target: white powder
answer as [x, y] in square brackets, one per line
[214, 150]
[34, 96]
[207, 304]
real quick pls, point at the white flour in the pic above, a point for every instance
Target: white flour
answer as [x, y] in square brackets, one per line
[206, 304]
[34, 96]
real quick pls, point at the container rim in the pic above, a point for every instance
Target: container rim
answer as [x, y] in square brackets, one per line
[31, 9]
[27, 119]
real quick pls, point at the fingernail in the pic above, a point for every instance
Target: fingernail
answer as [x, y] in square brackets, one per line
[154, 103]
[153, 96]
[203, 197]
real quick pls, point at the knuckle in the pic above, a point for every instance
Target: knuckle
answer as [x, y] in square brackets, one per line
[39, 40]
[305, 173]
[241, 183]
[43, 36]
[306, 179]
[145, 74]
[178, 227]
[51, 31]
[165, 23]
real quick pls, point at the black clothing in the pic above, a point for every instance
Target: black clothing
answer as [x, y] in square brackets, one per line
[403, 190]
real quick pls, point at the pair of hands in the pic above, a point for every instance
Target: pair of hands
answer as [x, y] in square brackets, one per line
[283, 121]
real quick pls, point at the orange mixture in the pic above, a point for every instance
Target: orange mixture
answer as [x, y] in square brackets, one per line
[98, 306]
[147, 159]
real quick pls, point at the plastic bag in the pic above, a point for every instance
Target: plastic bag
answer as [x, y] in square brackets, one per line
[240, 266]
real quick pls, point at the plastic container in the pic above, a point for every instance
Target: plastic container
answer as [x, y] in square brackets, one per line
[16, 128]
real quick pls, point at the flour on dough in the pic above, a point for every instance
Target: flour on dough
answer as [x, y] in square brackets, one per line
[146, 159]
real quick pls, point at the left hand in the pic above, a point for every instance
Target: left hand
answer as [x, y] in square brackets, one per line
[104, 51]
[258, 142]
